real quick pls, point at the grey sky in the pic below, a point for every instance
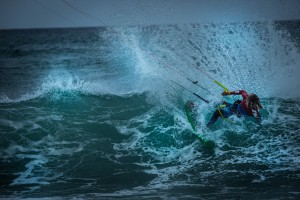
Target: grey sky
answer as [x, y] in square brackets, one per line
[56, 13]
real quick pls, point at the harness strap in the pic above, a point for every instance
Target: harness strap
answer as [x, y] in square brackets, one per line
[220, 112]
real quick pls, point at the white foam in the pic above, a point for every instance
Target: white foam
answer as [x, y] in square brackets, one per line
[26, 176]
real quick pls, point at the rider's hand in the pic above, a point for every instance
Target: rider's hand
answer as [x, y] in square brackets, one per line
[225, 93]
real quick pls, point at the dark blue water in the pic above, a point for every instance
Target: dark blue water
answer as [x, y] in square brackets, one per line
[94, 113]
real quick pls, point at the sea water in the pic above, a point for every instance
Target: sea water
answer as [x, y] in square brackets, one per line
[93, 113]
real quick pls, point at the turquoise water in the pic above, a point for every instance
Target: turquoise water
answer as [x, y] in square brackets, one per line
[94, 113]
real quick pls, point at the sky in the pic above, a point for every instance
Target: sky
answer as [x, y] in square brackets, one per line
[15, 14]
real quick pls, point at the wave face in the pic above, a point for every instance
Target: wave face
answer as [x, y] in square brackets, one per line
[98, 113]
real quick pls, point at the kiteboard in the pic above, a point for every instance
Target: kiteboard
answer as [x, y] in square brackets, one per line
[191, 114]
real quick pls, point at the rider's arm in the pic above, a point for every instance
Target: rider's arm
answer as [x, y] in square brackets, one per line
[236, 92]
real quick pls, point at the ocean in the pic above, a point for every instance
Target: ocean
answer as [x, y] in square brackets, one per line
[98, 113]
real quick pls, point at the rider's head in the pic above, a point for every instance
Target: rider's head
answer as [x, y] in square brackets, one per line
[253, 102]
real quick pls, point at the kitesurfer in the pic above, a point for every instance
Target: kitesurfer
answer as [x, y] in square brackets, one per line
[249, 106]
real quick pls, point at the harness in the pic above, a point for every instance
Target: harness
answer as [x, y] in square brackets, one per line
[233, 108]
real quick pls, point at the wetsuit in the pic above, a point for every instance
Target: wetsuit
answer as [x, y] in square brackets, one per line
[238, 108]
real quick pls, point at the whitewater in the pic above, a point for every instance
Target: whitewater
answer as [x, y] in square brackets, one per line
[91, 113]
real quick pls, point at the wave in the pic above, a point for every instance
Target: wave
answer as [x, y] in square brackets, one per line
[58, 87]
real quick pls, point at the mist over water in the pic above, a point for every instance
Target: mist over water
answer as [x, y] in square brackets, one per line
[91, 113]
